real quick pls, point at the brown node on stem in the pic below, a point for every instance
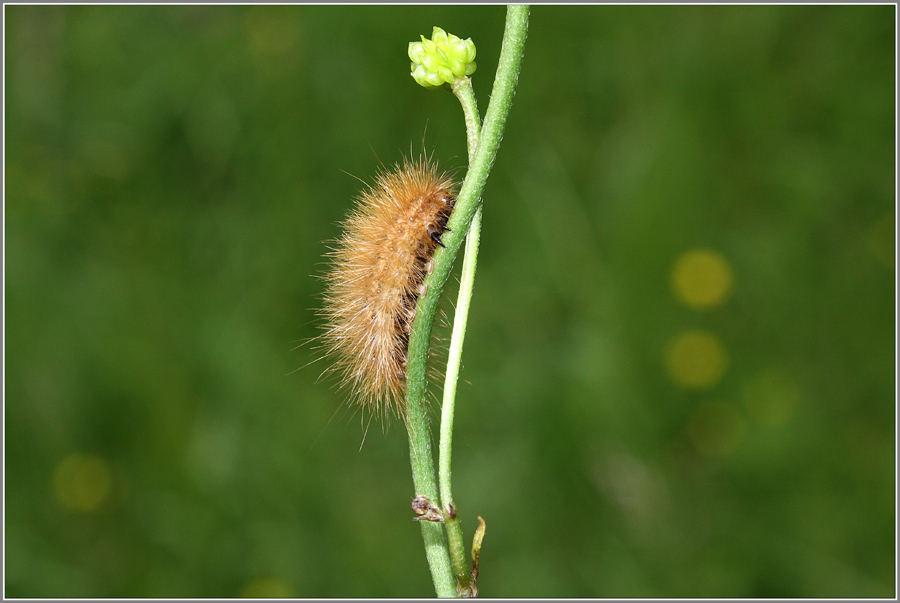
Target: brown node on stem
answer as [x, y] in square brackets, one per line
[426, 510]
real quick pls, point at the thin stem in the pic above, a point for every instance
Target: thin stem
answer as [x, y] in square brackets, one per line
[452, 523]
[467, 205]
[462, 88]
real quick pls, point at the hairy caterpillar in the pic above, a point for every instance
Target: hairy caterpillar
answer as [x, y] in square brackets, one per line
[376, 276]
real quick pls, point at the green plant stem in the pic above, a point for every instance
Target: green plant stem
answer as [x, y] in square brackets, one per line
[423, 480]
[467, 204]
[452, 522]
[462, 88]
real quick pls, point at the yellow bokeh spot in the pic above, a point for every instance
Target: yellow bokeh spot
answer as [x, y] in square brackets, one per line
[702, 278]
[696, 360]
[82, 482]
[267, 588]
[772, 397]
[716, 428]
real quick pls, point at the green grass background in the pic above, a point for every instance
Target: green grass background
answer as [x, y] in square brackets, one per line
[173, 172]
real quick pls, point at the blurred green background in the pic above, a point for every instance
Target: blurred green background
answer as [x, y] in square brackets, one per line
[679, 372]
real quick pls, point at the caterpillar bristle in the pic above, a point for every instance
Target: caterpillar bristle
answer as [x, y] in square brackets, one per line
[376, 276]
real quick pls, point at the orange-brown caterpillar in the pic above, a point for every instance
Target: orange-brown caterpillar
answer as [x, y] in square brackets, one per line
[376, 277]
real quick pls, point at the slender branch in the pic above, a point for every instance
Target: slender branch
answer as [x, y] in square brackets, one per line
[452, 523]
[462, 88]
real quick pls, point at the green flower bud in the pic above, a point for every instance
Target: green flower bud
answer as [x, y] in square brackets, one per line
[442, 59]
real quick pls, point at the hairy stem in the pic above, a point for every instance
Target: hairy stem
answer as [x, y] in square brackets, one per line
[462, 88]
